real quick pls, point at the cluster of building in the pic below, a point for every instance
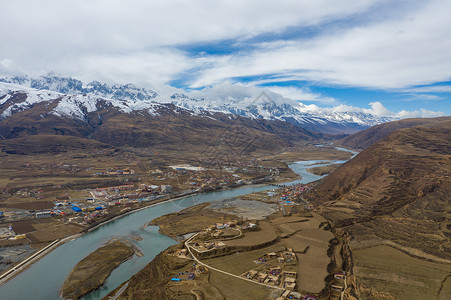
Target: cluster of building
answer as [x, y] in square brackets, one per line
[278, 274]
[102, 198]
[283, 257]
[8, 232]
[29, 192]
[116, 172]
[293, 193]
[190, 274]
[207, 246]
[273, 276]
[105, 192]
[88, 217]
[156, 189]
[287, 294]
[226, 229]
[338, 286]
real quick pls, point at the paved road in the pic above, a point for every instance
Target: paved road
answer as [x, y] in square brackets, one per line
[33, 258]
[120, 291]
[224, 272]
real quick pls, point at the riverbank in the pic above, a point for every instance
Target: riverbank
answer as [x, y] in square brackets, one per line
[22, 266]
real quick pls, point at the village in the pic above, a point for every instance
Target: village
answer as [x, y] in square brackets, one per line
[127, 189]
[279, 267]
[117, 190]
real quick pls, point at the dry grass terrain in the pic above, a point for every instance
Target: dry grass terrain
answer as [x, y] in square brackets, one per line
[265, 235]
[310, 243]
[323, 170]
[234, 288]
[192, 219]
[392, 201]
[385, 269]
[240, 262]
[91, 272]
[309, 153]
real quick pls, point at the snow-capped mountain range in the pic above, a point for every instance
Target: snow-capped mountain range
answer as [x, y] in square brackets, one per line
[74, 99]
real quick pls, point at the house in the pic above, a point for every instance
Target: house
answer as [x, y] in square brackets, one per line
[251, 274]
[44, 214]
[289, 283]
[6, 232]
[166, 189]
[76, 209]
[289, 273]
[19, 237]
[186, 276]
[261, 277]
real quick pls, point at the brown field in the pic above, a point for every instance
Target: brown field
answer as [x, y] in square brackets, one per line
[234, 288]
[54, 232]
[205, 290]
[310, 154]
[240, 262]
[33, 205]
[288, 219]
[264, 235]
[387, 270]
[445, 291]
[22, 227]
[312, 266]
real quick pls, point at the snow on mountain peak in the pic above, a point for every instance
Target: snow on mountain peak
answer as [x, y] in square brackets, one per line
[77, 99]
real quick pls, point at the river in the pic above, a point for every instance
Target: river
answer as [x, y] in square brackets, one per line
[44, 278]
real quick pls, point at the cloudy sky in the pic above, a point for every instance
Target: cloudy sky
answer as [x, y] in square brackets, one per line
[389, 56]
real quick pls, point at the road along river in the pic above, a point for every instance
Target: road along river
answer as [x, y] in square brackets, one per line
[44, 278]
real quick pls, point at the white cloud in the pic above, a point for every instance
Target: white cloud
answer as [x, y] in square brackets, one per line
[9, 67]
[228, 91]
[141, 68]
[422, 113]
[42, 34]
[374, 55]
[430, 89]
[368, 43]
[301, 94]
[377, 109]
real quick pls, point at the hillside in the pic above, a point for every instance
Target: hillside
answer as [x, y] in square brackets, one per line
[365, 138]
[398, 189]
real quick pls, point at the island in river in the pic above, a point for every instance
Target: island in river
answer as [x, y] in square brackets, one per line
[91, 272]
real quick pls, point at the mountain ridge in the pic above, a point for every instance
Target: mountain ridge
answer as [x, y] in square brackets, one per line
[267, 105]
[398, 189]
